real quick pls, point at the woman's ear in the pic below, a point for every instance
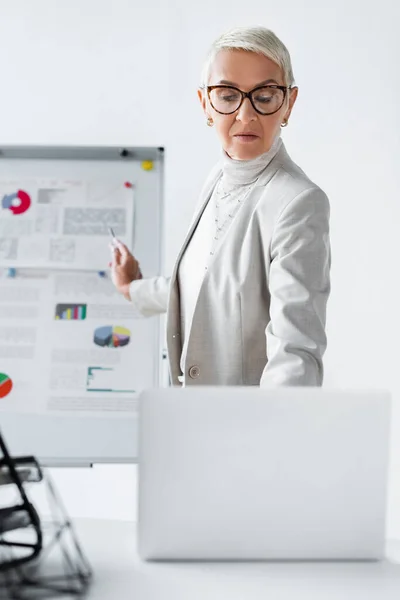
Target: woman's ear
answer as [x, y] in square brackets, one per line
[292, 99]
[202, 97]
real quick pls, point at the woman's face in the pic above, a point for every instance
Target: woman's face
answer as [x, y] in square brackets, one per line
[246, 134]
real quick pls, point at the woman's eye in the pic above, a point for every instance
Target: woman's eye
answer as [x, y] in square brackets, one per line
[231, 98]
[263, 99]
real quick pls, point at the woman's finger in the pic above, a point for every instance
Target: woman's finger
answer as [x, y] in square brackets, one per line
[116, 257]
[123, 249]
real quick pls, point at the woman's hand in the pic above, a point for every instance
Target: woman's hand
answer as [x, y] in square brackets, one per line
[124, 268]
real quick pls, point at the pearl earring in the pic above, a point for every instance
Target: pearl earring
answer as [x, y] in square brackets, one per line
[210, 122]
[285, 124]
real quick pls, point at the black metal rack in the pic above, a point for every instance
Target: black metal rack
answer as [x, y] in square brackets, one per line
[26, 571]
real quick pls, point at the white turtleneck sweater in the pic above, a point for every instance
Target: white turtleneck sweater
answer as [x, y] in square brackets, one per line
[238, 177]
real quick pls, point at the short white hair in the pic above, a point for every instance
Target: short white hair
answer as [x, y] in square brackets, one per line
[252, 39]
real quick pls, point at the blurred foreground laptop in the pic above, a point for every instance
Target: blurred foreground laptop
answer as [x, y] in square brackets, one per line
[245, 474]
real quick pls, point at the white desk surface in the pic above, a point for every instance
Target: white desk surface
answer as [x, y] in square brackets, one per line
[120, 575]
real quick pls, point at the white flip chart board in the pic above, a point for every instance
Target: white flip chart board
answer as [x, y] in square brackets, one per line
[74, 356]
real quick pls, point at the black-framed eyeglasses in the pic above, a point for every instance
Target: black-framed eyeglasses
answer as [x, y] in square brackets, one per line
[266, 99]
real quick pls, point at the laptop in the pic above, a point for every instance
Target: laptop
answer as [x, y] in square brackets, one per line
[232, 473]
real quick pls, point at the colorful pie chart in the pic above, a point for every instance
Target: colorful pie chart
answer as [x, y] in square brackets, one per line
[5, 385]
[112, 336]
[18, 202]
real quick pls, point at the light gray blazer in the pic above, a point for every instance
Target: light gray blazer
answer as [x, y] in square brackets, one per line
[261, 310]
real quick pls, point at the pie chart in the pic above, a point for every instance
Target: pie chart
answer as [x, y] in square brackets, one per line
[5, 385]
[17, 203]
[112, 336]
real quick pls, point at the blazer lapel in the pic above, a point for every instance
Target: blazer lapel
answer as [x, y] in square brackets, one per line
[268, 173]
[173, 316]
[248, 205]
[203, 201]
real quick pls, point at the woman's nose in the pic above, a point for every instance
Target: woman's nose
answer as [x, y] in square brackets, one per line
[246, 112]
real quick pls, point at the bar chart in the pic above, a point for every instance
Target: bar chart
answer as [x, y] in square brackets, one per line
[71, 312]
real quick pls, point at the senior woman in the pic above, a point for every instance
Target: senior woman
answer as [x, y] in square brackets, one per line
[246, 303]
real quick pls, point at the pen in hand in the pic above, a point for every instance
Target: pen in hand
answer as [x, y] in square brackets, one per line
[124, 266]
[114, 241]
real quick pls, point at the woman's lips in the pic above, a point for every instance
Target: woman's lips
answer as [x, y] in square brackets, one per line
[246, 137]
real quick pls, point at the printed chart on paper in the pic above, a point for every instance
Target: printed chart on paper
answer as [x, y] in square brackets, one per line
[63, 224]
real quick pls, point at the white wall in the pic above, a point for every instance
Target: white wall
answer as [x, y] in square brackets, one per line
[125, 72]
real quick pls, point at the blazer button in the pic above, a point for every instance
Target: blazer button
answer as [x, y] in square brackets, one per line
[194, 372]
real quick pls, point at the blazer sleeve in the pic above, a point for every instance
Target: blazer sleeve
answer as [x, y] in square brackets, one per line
[299, 285]
[150, 296]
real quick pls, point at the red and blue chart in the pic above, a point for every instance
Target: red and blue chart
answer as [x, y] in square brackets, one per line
[18, 202]
[112, 336]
